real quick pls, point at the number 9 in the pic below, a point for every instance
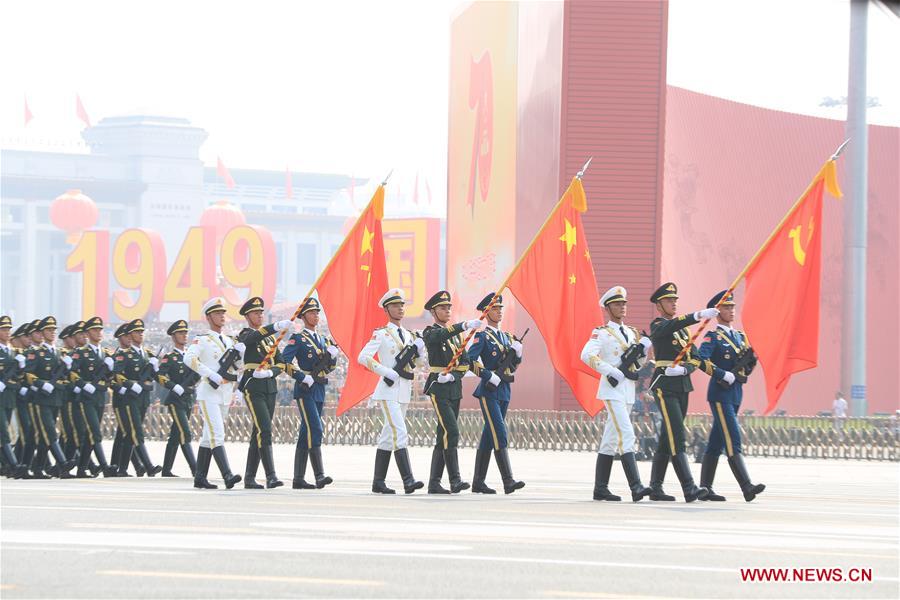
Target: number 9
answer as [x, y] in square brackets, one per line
[139, 263]
[248, 261]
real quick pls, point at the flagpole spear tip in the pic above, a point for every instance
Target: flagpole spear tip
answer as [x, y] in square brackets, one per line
[584, 168]
[386, 177]
[840, 149]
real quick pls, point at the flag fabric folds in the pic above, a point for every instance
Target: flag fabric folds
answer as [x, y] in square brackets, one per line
[222, 171]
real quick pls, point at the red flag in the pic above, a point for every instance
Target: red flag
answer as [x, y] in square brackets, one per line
[80, 112]
[28, 115]
[222, 171]
[288, 183]
[350, 289]
[781, 304]
[555, 283]
[416, 189]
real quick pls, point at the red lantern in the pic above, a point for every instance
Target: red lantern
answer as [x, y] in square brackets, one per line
[73, 212]
[220, 218]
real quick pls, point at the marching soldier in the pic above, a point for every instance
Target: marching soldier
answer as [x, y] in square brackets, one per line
[215, 390]
[25, 444]
[392, 394]
[8, 367]
[134, 369]
[315, 356]
[443, 341]
[181, 383]
[48, 374]
[499, 354]
[92, 370]
[68, 429]
[734, 360]
[671, 386]
[119, 400]
[607, 352]
[260, 389]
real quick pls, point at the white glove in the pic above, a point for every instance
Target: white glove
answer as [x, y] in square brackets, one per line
[517, 346]
[494, 380]
[47, 387]
[77, 390]
[420, 347]
[108, 361]
[136, 388]
[472, 324]
[178, 389]
[2, 387]
[89, 388]
[20, 358]
[645, 342]
[67, 360]
[308, 381]
[121, 390]
[282, 325]
[445, 377]
[215, 378]
[262, 373]
[706, 313]
[155, 362]
[386, 372]
[617, 374]
[333, 350]
[23, 390]
[675, 371]
[240, 347]
[237, 399]
[728, 377]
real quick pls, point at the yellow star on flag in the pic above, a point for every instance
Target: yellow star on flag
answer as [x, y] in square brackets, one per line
[568, 237]
[572, 278]
[367, 238]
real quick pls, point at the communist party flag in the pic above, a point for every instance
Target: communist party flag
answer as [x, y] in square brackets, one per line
[554, 282]
[781, 304]
[350, 289]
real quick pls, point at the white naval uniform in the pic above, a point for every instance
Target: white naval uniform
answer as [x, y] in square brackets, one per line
[393, 400]
[603, 352]
[202, 356]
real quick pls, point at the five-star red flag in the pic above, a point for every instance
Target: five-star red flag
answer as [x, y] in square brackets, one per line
[28, 115]
[80, 112]
[222, 171]
[781, 304]
[555, 283]
[350, 289]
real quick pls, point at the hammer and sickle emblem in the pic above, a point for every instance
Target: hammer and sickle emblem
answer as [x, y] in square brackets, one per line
[799, 250]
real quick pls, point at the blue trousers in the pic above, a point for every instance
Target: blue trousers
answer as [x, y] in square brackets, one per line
[494, 433]
[311, 429]
[725, 433]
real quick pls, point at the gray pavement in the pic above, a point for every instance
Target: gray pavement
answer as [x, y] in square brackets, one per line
[160, 538]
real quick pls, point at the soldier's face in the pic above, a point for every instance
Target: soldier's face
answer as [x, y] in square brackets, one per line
[311, 319]
[69, 341]
[495, 314]
[396, 311]
[79, 339]
[49, 334]
[216, 319]
[125, 340]
[137, 338]
[180, 338]
[36, 337]
[726, 313]
[4, 335]
[617, 310]
[442, 313]
[95, 335]
[668, 306]
[255, 319]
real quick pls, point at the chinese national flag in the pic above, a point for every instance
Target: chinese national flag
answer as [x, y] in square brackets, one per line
[80, 111]
[222, 171]
[350, 290]
[555, 283]
[28, 114]
[781, 304]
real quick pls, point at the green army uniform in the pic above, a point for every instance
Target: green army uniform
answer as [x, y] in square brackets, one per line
[443, 343]
[181, 383]
[9, 367]
[26, 441]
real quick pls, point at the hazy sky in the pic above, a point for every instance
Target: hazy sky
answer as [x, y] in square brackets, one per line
[361, 87]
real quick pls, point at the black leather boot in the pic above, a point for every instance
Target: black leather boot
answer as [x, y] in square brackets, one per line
[315, 459]
[300, 455]
[482, 461]
[63, 464]
[629, 465]
[144, 456]
[657, 475]
[222, 461]
[268, 462]
[9, 457]
[251, 468]
[509, 482]
[108, 469]
[139, 469]
[410, 485]
[84, 457]
[188, 452]
[437, 472]
[382, 462]
[200, 481]
[169, 459]
[451, 459]
[739, 469]
[708, 475]
[683, 471]
[601, 479]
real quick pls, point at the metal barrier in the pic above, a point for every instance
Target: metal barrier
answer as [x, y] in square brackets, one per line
[869, 438]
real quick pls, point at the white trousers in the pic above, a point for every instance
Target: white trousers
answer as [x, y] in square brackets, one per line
[618, 434]
[393, 431]
[213, 415]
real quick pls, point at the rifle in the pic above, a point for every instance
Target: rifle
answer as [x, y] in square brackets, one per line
[630, 358]
[403, 364]
[56, 374]
[146, 373]
[507, 366]
[226, 362]
[192, 378]
[325, 365]
[744, 361]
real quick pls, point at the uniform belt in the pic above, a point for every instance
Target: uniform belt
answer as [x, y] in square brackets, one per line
[460, 368]
[669, 363]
